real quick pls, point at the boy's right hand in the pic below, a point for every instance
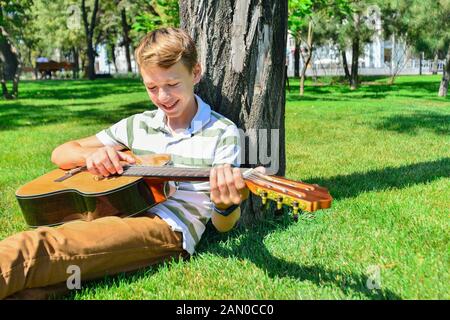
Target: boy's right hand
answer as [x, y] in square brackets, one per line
[106, 161]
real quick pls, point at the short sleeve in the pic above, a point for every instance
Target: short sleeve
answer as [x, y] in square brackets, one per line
[118, 133]
[228, 149]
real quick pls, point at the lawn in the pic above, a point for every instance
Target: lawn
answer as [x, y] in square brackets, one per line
[383, 151]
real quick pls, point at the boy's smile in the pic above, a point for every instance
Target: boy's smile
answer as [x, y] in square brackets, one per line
[172, 90]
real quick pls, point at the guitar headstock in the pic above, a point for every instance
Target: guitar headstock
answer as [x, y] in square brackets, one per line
[298, 195]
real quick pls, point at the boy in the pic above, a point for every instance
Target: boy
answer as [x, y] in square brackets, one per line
[168, 63]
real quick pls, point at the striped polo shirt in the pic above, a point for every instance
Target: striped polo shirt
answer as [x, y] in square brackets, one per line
[210, 140]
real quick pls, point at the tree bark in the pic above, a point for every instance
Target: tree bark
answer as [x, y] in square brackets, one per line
[307, 58]
[297, 59]
[76, 63]
[126, 38]
[303, 73]
[420, 63]
[89, 31]
[10, 65]
[242, 49]
[355, 58]
[355, 53]
[443, 88]
[434, 66]
[113, 56]
[345, 65]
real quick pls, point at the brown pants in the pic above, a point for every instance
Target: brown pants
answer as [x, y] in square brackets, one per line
[47, 257]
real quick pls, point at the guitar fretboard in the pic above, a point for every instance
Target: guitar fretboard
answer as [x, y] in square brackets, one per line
[174, 173]
[167, 172]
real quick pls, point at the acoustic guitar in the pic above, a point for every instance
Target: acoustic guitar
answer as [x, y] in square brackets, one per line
[65, 195]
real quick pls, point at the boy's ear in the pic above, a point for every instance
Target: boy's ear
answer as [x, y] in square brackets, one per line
[197, 71]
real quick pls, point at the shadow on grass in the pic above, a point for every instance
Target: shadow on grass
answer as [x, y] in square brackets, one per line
[17, 115]
[341, 92]
[248, 243]
[79, 89]
[412, 123]
[348, 186]
[251, 247]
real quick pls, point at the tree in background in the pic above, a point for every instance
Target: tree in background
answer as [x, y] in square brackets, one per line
[339, 11]
[154, 14]
[356, 29]
[343, 22]
[305, 19]
[109, 32]
[115, 26]
[89, 27]
[425, 26]
[13, 17]
[129, 20]
[126, 40]
[242, 49]
[55, 26]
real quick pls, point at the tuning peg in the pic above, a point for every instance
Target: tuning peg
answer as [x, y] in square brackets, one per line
[279, 202]
[263, 196]
[295, 207]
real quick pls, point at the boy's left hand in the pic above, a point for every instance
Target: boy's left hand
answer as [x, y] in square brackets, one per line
[227, 186]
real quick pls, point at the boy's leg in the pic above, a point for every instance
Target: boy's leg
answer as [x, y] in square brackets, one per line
[105, 246]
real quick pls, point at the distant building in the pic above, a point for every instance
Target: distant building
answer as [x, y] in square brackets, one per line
[380, 57]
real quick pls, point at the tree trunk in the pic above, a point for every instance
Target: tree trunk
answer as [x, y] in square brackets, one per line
[345, 65]
[113, 56]
[297, 59]
[355, 52]
[242, 49]
[434, 67]
[443, 88]
[5, 92]
[303, 74]
[420, 63]
[302, 82]
[76, 63]
[91, 61]
[89, 31]
[126, 38]
[355, 58]
[307, 59]
[10, 65]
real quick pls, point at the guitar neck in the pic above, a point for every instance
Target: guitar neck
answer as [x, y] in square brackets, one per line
[171, 173]
[297, 194]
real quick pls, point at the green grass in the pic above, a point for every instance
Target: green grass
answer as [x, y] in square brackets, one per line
[383, 151]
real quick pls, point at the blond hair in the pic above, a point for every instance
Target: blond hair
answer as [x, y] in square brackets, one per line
[165, 47]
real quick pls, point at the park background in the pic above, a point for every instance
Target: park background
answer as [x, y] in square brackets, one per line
[374, 130]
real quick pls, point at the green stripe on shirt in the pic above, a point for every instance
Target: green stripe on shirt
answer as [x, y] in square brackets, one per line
[130, 132]
[192, 209]
[140, 152]
[147, 128]
[180, 215]
[187, 161]
[228, 141]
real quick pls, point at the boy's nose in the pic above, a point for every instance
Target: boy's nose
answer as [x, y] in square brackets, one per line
[163, 96]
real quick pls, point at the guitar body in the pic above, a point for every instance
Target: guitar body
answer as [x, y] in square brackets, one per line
[83, 196]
